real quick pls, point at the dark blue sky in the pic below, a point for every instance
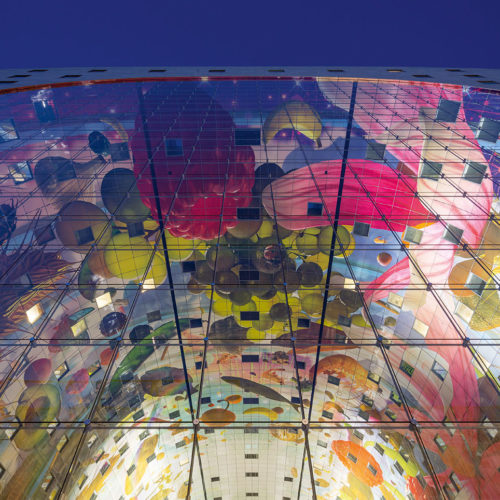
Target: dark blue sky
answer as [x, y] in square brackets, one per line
[442, 33]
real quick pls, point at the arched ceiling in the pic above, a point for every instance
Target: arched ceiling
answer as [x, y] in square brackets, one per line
[220, 288]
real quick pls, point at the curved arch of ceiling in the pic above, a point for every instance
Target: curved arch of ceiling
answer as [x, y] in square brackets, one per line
[217, 288]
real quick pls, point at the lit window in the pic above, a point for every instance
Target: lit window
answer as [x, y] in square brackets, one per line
[406, 368]
[103, 300]
[148, 284]
[34, 313]
[395, 299]
[440, 443]
[61, 370]
[420, 327]
[79, 327]
[21, 172]
[464, 312]
[8, 131]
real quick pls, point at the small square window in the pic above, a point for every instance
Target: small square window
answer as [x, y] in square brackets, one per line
[327, 414]
[103, 300]
[344, 321]
[173, 147]
[357, 434]
[249, 275]
[44, 110]
[375, 151]
[488, 130]
[215, 479]
[180, 444]
[322, 444]
[135, 229]
[314, 209]
[247, 137]
[464, 312]
[153, 316]
[288, 479]
[249, 315]
[33, 314]
[47, 481]
[453, 234]
[174, 414]
[79, 327]
[474, 172]
[398, 467]
[136, 416]
[395, 300]
[251, 474]
[413, 235]
[295, 401]
[447, 111]
[21, 172]
[456, 483]
[364, 415]
[84, 235]
[66, 172]
[206, 400]
[300, 365]
[44, 234]
[420, 327]
[431, 170]
[439, 370]
[406, 368]
[475, 283]
[250, 358]
[119, 151]
[198, 364]
[303, 323]
[8, 131]
[440, 443]
[394, 397]
[250, 401]
[188, 266]
[333, 380]
[374, 377]
[195, 323]
[367, 400]
[248, 213]
[361, 228]
[352, 458]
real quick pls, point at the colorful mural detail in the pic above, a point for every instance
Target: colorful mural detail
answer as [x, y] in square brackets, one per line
[209, 281]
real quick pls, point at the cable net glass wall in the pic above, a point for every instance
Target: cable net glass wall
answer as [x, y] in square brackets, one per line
[276, 288]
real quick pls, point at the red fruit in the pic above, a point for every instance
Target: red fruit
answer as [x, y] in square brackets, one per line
[38, 372]
[105, 356]
[78, 382]
[214, 169]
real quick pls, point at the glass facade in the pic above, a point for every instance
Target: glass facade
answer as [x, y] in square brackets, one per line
[221, 288]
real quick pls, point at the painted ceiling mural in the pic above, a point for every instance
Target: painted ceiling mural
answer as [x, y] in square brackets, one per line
[273, 288]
